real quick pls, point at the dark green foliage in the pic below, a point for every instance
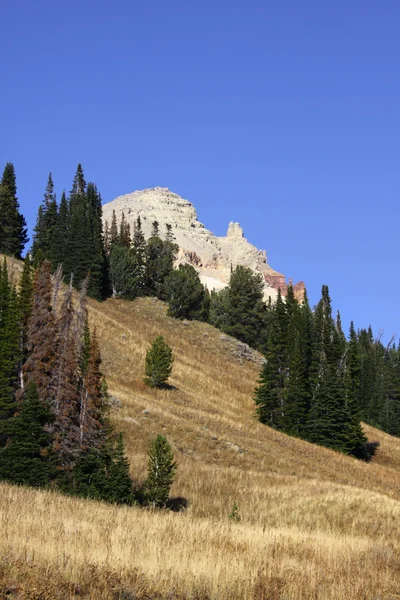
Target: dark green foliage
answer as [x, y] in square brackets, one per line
[185, 294]
[114, 230]
[46, 226]
[308, 385]
[10, 348]
[125, 271]
[158, 363]
[159, 263]
[270, 394]
[90, 476]
[72, 235]
[28, 458]
[240, 311]
[161, 471]
[124, 233]
[13, 230]
[98, 284]
[119, 483]
[61, 232]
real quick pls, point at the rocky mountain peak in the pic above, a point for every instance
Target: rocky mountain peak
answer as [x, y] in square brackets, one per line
[212, 256]
[234, 230]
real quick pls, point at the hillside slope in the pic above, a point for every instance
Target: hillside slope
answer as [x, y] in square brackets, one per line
[314, 524]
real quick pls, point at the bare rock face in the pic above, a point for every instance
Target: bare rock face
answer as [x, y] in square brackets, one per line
[212, 256]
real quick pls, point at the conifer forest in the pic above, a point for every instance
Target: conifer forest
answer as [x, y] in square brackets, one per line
[317, 382]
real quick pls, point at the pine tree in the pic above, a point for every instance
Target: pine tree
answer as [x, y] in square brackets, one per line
[119, 482]
[79, 246]
[13, 230]
[98, 284]
[246, 310]
[10, 350]
[270, 395]
[124, 233]
[158, 363]
[185, 294]
[139, 251]
[161, 471]
[297, 396]
[125, 272]
[114, 230]
[46, 225]
[28, 458]
[61, 232]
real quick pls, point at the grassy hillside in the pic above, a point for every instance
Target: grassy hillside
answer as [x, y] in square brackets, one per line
[314, 524]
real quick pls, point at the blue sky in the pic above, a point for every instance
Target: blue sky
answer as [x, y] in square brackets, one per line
[283, 116]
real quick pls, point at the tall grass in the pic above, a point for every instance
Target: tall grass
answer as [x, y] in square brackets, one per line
[314, 523]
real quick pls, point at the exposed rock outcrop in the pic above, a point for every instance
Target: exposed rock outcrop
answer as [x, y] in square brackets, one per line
[212, 256]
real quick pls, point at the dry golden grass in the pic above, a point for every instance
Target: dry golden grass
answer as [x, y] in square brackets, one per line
[314, 524]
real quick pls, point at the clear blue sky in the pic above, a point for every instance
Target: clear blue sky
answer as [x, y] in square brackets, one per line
[284, 116]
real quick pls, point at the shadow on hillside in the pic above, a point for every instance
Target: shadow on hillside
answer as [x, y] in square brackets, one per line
[177, 504]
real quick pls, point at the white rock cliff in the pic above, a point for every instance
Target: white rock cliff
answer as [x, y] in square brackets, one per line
[212, 256]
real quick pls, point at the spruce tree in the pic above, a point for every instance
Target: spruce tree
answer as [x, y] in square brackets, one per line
[158, 363]
[98, 284]
[10, 350]
[114, 239]
[125, 272]
[246, 309]
[79, 246]
[13, 230]
[61, 232]
[46, 226]
[119, 483]
[161, 472]
[270, 394]
[28, 458]
[185, 294]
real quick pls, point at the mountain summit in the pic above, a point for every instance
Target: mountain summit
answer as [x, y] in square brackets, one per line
[212, 256]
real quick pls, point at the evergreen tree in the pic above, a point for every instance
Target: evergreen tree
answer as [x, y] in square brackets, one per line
[10, 350]
[158, 363]
[125, 272]
[13, 230]
[46, 225]
[61, 232]
[119, 482]
[28, 458]
[79, 246]
[107, 238]
[90, 476]
[246, 310]
[185, 294]
[159, 259]
[270, 393]
[114, 230]
[125, 233]
[98, 281]
[161, 471]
